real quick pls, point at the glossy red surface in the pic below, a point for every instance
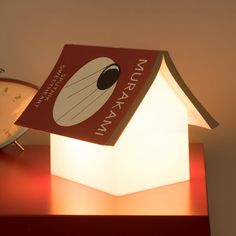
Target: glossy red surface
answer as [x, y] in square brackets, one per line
[30, 197]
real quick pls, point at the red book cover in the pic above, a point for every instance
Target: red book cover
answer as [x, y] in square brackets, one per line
[92, 92]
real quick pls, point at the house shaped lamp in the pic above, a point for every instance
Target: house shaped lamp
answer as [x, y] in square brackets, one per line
[118, 117]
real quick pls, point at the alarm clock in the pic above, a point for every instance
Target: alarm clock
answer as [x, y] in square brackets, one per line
[15, 95]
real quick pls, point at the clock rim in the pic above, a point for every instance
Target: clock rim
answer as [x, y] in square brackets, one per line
[7, 79]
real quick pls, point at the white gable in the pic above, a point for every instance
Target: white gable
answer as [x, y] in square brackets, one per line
[194, 116]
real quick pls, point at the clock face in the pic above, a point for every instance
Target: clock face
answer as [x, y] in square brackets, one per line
[15, 95]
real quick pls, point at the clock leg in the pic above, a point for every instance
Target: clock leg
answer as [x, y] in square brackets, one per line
[19, 145]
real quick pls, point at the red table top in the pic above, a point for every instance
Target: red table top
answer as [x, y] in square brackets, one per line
[27, 188]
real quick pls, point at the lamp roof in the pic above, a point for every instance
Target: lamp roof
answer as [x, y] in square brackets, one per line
[92, 92]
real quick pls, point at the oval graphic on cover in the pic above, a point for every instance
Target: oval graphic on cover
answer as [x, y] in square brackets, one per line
[86, 91]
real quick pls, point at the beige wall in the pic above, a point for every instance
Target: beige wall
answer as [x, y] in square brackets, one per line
[200, 36]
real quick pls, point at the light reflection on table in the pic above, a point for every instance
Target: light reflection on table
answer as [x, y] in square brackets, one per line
[27, 188]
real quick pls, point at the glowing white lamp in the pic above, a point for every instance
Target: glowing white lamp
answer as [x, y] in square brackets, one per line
[151, 152]
[131, 113]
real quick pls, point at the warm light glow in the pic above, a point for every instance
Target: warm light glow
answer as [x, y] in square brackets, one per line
[152, 151]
